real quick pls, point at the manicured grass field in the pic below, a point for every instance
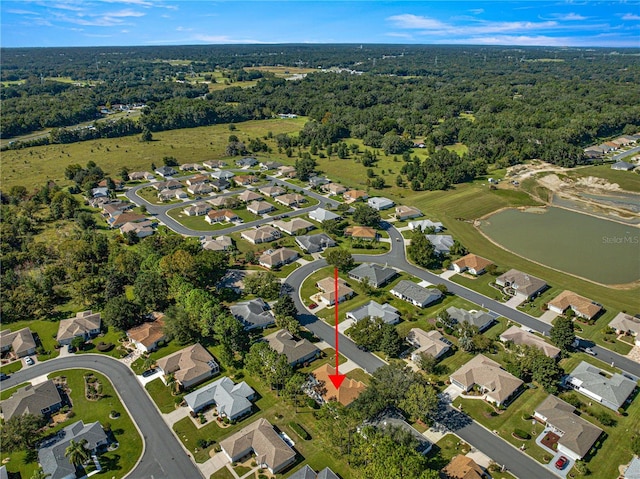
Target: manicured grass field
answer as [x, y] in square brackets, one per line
[116, 463]
[479, 284]
[161, 395]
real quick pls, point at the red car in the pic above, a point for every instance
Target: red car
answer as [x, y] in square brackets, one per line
[313, 306]
[561, 462]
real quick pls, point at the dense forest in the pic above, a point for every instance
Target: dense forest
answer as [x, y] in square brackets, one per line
[505, 104]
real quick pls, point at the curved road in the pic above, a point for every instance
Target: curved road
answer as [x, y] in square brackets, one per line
[163, 456]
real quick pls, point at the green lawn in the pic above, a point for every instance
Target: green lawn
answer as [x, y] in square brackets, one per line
[481, 284]
[47, 331]
[6, 393]
[536, 307]
[151, 195]
[12, 367]
[117, 463]
[223, 473]
[627, 180]
[161, 395]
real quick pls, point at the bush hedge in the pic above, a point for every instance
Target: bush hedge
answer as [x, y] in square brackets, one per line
[521, 434]
[299, 430]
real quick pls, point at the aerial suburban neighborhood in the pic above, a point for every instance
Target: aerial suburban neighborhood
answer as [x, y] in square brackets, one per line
[272, 289]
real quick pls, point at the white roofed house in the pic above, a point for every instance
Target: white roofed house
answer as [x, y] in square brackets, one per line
[407, 212]
[263, 234]
[279, 257]
[387, 313]
[415, 294]
[379, 203]
[223, 175]
[609, 389]
[320, 215]
[166, 171]
[231, 400]
[197, 209]
[423, 225]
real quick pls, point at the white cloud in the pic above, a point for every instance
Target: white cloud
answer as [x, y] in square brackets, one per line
[223, 39]
[407, 20]
[125, 13]
[519, 40]
[22, 12]
[631, 16]
[142, 3]
[184, 29]
[476, 11]
[399, 35]
[569, 17]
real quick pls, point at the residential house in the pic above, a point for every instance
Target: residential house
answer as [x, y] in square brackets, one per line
[223, 175]
[100, 192]
[387, 313]
[379, 203]
[197, 180]
[217, 216]
[294, 227]
[521, 337]
[414, 294]
[287, 171]
[218, 201]
[119, 184]
[246, 162]
[259, 438]
[231, 400]
[427, 342]
[260, 207]
[291, 199]
[404, 212]
[463, 467]
[473, 263]
[318, 181]
[328, 295]
[622, 166]
[141, 175]
[308, 473]
[128, 217]
[320, 215]
[520, 284]
[253, 314]
[612, 145]
[577, 435]
[41, 399]
[423, 225]
[180, 194]
[141, 229]
[191, 167]
[624, 323]
[165, 171]
[263, 234]
[220, 243]
[315, 243]
[116, 208]
[334, 189]
[211, 164]
[496, 384]
[441, 243]
[247, 196]
[475, 318]
[166, 185]
[375, 274]
[166, 195]
[244, 180]
[609, 389]
[85, 324]
[297, 351]
[270, 165]
[20, 343]
[51, 454]
[392, 418]
[148, 335]
[189, 366]
[279, 257]
[581, 306]
[272, 191]
[632, 471]
[593, 152]
[200, 189]
[322, 389]
[197, 209]
[219, 184]
[355, 195]
[361, 232]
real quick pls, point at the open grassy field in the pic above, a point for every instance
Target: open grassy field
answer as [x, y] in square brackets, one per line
[627, 180]
[116, 464]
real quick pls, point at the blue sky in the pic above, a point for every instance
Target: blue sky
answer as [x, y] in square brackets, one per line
[172, 22]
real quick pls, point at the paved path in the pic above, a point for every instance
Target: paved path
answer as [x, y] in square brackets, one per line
[163, 456]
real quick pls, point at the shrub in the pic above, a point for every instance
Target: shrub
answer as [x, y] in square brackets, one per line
[522, 434]
[605, 419]
[106, 426]
[104, 347]
[71, 414]
[202, 443]
[299, 430]
[115, 413]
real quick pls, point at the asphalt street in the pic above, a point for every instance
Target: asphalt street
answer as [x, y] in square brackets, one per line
[163, 456]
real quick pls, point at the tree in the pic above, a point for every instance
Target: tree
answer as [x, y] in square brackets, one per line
[264, 284]
[39, 474]
[367, 333]
[21, 432]
[305, 168]
[121, 313]
[77, 452]
[421, 251]
[427, 362]
[334, 227]
[78, 342]
[458, 249]
[231, 335]
[635, 444]
[289, 323]
[340, 258]
[179, 326]
[366, 215]
[383, 458]
[85, 220]
[390, 341]
[293, 388]
[150, 290]
[146, 135]
[285, 306]
[562, 334]
[421, 401]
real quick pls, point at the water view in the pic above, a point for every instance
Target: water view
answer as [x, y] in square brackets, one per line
[593, 248]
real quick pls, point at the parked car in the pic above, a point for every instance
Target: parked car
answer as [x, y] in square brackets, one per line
[71, 349]
[561, 462]
[3, 376]
[590, 351]
[28, 360]
[313, 306]
[148, 372]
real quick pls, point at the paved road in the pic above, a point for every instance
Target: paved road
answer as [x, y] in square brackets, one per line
[624, 154]
[160, 211]
[163, 456]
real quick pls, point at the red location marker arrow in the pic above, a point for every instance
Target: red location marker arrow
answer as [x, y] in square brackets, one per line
[336, 378]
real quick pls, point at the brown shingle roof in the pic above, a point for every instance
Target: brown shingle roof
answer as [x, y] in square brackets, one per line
[520, 336]
[148, 333]
[79, 325]
[349, 390]
[283, 342]
[484, 372]
[360, 232]
[188, 363]
[578, 303]
[20, 341]
[463, 467]
[473, 261]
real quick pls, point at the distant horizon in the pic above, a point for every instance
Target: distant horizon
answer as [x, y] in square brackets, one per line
[139, 23]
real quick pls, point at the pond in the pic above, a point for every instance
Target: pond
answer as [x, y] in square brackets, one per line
[593, 248]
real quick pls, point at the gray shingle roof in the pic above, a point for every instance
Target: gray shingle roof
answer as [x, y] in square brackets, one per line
[31, 399]
[412, 291]
[320, 214]
[295, 351]
[308, 473]
[377, 275]
[478, 318]
[254, 313]
[613, 388]
[441, 243]
[386, 312]
[231, 399]
[315, 243]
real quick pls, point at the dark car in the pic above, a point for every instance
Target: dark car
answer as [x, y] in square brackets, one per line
[148, 373]
[71, 349]
[561, 462]
[3, 376]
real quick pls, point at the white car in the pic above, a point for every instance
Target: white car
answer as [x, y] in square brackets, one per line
[28, 361]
